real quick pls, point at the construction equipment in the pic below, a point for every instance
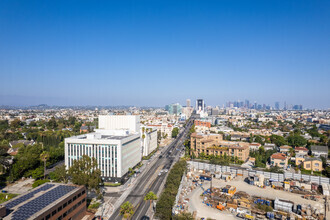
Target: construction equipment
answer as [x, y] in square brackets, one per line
[221, 207]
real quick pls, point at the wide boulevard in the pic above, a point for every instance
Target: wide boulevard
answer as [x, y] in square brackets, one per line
[152, 178]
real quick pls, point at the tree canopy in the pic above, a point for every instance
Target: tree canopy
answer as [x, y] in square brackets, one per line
[175, 132]
[126, 210]
[85, 172]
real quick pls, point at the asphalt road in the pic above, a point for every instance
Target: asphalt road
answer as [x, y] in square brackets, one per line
[150, 180]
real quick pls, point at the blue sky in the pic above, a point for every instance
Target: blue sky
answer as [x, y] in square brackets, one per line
[151, 53]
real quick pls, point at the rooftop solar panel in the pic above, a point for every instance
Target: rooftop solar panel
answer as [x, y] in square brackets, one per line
[21, 199]
[37, 204]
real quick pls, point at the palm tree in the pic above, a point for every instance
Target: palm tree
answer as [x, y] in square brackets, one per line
[127, 210]
[291, 151]
[150, 197]
[44, 157]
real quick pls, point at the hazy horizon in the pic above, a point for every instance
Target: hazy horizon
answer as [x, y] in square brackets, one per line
[153, 53]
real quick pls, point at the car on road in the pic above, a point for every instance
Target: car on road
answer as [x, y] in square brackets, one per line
[145, 218]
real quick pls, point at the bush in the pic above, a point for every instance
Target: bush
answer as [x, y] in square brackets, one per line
[167, 198]
[112, 184]
[94, 205]
[39, 182]
[6, 196]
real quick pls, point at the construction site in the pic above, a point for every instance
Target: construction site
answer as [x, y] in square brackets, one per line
[226, 196]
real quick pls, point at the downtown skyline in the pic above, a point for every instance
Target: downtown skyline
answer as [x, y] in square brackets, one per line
[156, 53]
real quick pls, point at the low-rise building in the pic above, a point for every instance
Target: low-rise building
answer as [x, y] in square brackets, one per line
[314, 164]
[269, 146]
[279, 159]
[254, 146]
[202, 123]
[301, 151]
[48, 201]
[285, 149]
[299, 160]
[319, 151]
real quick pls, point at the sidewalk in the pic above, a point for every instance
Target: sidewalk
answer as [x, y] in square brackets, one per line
[128, 187]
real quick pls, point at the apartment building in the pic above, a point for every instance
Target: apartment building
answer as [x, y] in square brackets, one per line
[279, 159]
[212, 144]
[203, 123]
[314, 164]
[200, 143]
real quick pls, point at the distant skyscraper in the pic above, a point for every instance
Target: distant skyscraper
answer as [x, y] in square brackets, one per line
[200, 105]
[297, 107]
[174, 109]
[188, 102]
[277, 105]
[284, 106]
[255, 105]
[247, 104]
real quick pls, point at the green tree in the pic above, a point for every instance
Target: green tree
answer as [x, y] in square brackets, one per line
[71, 120]
[27, 159]
[175, 132]
[84, 171]
[16, 123]
[127, 210]
[296, 140]
[184, 216]
[60, 174]
[44, 157]
[167, 198]
[51, 124]
[4, 125]
[151, 196]
[159, 135]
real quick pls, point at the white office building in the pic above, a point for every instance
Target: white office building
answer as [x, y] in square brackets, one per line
[148, 140]
[116, 122]
[115, 151]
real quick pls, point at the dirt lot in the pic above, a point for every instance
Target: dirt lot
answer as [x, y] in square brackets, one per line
[267, 192]
[195, 201]
[204, 211]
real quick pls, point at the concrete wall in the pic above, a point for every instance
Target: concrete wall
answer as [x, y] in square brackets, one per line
[269, 175]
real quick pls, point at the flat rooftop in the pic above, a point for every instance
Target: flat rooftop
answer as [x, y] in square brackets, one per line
[102, 134]
[35, 202]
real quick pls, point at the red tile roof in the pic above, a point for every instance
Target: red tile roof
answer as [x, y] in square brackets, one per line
[278, 156]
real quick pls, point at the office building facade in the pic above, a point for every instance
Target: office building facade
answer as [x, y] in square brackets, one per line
[115, 151]
[148, 140]
[174, 109]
